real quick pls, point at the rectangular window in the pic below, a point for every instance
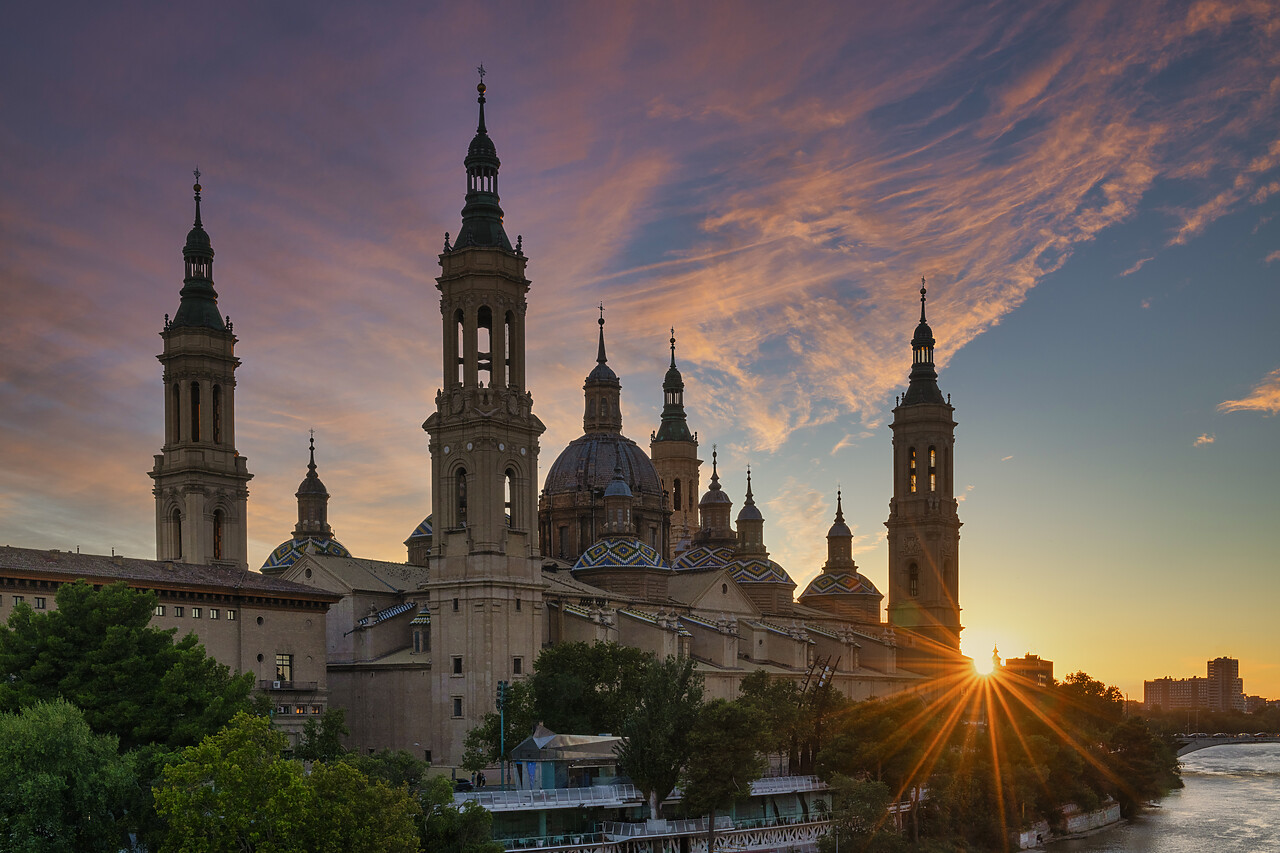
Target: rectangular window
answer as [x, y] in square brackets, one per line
[177, 611]
[284, 667]
[159, 611]
[457, 707]
[213, 613]
[517, 666]
[457, 665]
[195, 613]
[317, 709]
[18, 599]
[40, 602]
[231, 616]
[517, 605]
[282, 709]
[417, 642]
[301, 709]
[455, 605]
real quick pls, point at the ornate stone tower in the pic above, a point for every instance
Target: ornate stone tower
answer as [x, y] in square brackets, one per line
[674, 451]
[200, 480]
[924, 526]
[486, 581]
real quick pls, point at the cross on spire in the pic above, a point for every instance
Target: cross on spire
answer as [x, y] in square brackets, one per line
[480, 70]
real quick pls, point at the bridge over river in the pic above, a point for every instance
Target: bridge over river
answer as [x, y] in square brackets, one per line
[1188, 745]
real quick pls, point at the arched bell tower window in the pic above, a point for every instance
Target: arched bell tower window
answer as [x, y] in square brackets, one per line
[460, 346]
[508, 323]
[484, 345]
[176, 520]
[217, 534]
[175, 415]
[509, 489]
[217, 414]
[461, 506]
[675, 495]
[195, 411]
[911, 470]
[913, 580]
[933, 469]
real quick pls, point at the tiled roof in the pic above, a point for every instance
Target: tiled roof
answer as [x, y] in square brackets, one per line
[150, 574]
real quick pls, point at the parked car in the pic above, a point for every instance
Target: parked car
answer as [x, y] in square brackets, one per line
[462, 785]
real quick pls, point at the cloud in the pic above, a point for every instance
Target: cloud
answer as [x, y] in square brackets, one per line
[1137, 266]
[1006, 458]
[1146, 303]
[1203, 440]
[1272, 257]
[1265, 397]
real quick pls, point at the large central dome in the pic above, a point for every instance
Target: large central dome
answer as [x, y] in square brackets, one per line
[587, 464]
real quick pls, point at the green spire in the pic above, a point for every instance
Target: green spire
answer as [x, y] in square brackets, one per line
[675, 425]
[199, 305]
[923, 387]
[482, 214]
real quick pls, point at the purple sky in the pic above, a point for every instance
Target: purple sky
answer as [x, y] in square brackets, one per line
[1089, 187]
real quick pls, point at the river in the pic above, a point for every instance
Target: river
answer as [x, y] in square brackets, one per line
[1231, 804]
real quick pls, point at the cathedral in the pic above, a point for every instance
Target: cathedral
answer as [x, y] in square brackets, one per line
[616, 543]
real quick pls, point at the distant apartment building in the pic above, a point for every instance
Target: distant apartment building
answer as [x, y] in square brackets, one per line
[1222, 690]
[1034, 668]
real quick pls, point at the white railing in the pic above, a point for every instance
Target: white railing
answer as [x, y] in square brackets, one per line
[552, 797]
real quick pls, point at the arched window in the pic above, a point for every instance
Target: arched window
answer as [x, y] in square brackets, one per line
[509, 487]
[933, 469]
[217, 534]
[461, 480]
[911, 470]
[175, 415]
[913, 580]
[195, 411]
[460, 342]
[507, 324]
[176, 520]
[217, 414]
[484, 345]
[675, 495]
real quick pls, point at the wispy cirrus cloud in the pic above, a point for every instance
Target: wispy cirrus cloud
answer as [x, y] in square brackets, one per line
[1265, 397]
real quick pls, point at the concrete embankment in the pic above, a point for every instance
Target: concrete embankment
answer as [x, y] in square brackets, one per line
[1075, 823]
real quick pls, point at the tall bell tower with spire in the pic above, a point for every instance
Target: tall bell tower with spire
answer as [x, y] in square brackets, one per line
[201, 481]
[485, 569]
[674, 451]
[924, 525]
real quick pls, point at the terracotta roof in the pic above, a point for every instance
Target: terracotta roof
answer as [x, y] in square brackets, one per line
[66, 566]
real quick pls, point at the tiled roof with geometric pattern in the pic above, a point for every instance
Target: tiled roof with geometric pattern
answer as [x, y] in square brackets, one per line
[620, 551]
[839, 583]
[757, 570]
[701, 558]
[423, 529]
[289, 552]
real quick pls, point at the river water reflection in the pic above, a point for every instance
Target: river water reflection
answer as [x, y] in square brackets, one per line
[1231, 804]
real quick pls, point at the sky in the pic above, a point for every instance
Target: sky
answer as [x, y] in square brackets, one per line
[1090, 188]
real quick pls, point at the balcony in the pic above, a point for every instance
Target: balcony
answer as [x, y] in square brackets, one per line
[294, 686]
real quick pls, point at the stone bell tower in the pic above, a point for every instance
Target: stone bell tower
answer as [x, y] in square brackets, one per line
[486, 580]
[200, 480]
[924, 526]
[674, 451]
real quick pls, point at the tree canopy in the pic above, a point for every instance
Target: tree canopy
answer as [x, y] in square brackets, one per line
[656, 734]
[723, 760]
[99, 652]
[64, 789]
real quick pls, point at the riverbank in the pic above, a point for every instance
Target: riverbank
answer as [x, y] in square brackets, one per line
[1078, 824]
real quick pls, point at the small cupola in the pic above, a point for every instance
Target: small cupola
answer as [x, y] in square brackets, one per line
[603, 404]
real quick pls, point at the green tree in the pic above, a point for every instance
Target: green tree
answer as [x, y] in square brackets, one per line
[322, 740]
[484, 744]
[1145, 766]
[581, 688]
[777, 700]
[655, 736]
[859, 811]
[234, 792]
[98, 651]
[723, 760]
[396, 767]
[63, 787]
[446, 828]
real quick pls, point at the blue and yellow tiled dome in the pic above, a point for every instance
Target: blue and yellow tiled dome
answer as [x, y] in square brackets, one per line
[757, 570]
[620, 552]
[702, 558]
[840, 583]
[291, 551]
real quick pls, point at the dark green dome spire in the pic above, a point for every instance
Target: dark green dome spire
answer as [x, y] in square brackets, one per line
[924, 378]
[675, 425]
[482, 214]
[199, 306]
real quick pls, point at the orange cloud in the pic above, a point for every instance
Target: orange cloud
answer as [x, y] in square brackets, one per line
[1265, 397]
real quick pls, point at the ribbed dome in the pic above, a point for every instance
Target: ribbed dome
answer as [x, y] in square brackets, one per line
[620, 552]
[198, 239]
[588, 463]
[602, 372]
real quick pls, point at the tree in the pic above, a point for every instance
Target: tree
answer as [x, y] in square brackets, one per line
[484, 744]
[98, 650]
[63, 788]
[723, 760]
[396, 767]
[235, 792]
[587, 689]
[777, 700]
[322, 740]
[656, 735]
[858, 812]
[445, 828]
